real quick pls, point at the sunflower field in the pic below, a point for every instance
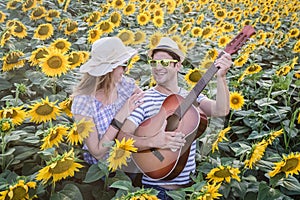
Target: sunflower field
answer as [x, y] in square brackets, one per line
[253, 153]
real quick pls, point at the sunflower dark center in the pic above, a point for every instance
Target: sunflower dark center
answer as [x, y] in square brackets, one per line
[60, 45]
[18, 28]
[44, 30]
[19, 193]
[62, 166]
[80, 128]
[222, 173]
[29, 4]
[41, 54]
[54, 62]
[54, 135]
[119, 153]
[38, 13]
[105, 26]
[11, 114]
[45, 109]
[195, 76]
[114, 19]
[12, 58]
[290, 165]
[235, 101]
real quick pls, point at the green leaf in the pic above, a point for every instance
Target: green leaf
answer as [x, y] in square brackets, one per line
[94, 173]
[4, 84]
[123, 185]
[290, 183]
[265, 102]
[8, 152]
[176, 195]
[267, 193]
[239, 148]
[69, 192]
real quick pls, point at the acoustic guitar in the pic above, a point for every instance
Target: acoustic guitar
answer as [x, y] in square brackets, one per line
[181, 115]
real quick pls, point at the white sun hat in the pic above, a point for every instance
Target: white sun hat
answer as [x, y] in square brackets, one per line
[168, 44]
[107, 54]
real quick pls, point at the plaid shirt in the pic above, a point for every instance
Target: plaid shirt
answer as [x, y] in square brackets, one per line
[102, 115]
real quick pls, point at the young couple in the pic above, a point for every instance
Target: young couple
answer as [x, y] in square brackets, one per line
[112, 100]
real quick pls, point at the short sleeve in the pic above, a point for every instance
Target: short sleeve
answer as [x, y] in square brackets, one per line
[81, 105]
[201, 97]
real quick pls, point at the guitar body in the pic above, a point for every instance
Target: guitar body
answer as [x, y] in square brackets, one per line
[165, 163]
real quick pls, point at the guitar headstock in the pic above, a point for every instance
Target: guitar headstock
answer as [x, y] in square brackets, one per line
[238, 41]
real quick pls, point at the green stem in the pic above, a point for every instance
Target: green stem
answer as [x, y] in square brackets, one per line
[17, 97]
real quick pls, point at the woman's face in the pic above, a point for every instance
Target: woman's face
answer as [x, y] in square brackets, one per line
[118, 73]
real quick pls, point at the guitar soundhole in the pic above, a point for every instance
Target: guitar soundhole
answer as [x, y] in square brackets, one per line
[172, 123]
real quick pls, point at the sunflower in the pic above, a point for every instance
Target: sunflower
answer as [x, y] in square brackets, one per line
[158, 12]
[20, 190]
[296, 48]
[13, 60]
[28, 5]
[289, 165]
[190, 44]
[60, 167]
[118, 4]
[6, 126]
[264, 19]
[43, 31]
[12, 5]
[209, 192]
[126, 36]
[173, 29]
[236, 100]
[220, 138]
[65, 106]
[43, 111]
[105, 26]
[158, 21]
[139, 37]
[2, 16]
[18, 29]
[61, 44]
[75, 59]
[115, 18]
[193, 76]
[79, 131]
[94, 35]
[53, 137]
[93, 18]
[223, 41]
[207, 32]
[129, 9]
[220, 14]
[38, 13]
[85, 55]
[142, 19]
[17, 114]
[257, 152]
[241, 60]
[154, 39]
[5, 36]
[120, 152]
[51, 14]
[251, 69]
[271, 137]
[71, 28]
[211, 54]
[37, 55]
[199, 19]
[222, 173]
[185, 28]
[284, 70]
[196, 32]
[55, 63]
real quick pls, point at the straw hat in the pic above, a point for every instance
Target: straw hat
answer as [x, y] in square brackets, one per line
[107, 54]
[168, 44]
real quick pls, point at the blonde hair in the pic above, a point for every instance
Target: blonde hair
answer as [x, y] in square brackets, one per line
[89, 85]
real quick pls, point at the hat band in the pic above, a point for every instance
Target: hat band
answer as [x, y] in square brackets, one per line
[163, 46]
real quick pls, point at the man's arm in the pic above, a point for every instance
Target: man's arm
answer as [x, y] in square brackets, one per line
[161, 139]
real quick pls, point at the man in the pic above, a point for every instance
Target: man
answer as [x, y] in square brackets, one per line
[166, 59]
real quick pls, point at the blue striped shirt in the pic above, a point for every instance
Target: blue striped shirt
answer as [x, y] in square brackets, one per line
[101, 114]
[153, 100]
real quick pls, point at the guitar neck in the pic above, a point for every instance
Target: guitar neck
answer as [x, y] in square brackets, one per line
[198, 88]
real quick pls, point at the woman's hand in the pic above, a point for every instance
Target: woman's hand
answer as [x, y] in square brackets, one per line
[132, 103]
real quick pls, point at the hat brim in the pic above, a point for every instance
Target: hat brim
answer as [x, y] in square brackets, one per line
[96, 68]
[176, 51]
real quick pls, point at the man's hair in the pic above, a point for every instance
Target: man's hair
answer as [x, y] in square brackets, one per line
[171, 53]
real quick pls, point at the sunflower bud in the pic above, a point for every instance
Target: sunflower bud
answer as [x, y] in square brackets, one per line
[6, 125]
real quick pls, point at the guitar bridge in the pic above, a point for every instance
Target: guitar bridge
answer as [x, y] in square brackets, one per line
[157, 154]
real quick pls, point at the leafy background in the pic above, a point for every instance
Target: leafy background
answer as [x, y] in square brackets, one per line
[271, 98]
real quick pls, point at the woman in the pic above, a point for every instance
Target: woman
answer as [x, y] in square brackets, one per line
[104, 95]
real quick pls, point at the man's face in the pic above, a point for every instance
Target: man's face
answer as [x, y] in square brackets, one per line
[164, 75]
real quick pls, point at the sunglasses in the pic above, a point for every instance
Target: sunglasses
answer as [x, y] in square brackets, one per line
[164, 63]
